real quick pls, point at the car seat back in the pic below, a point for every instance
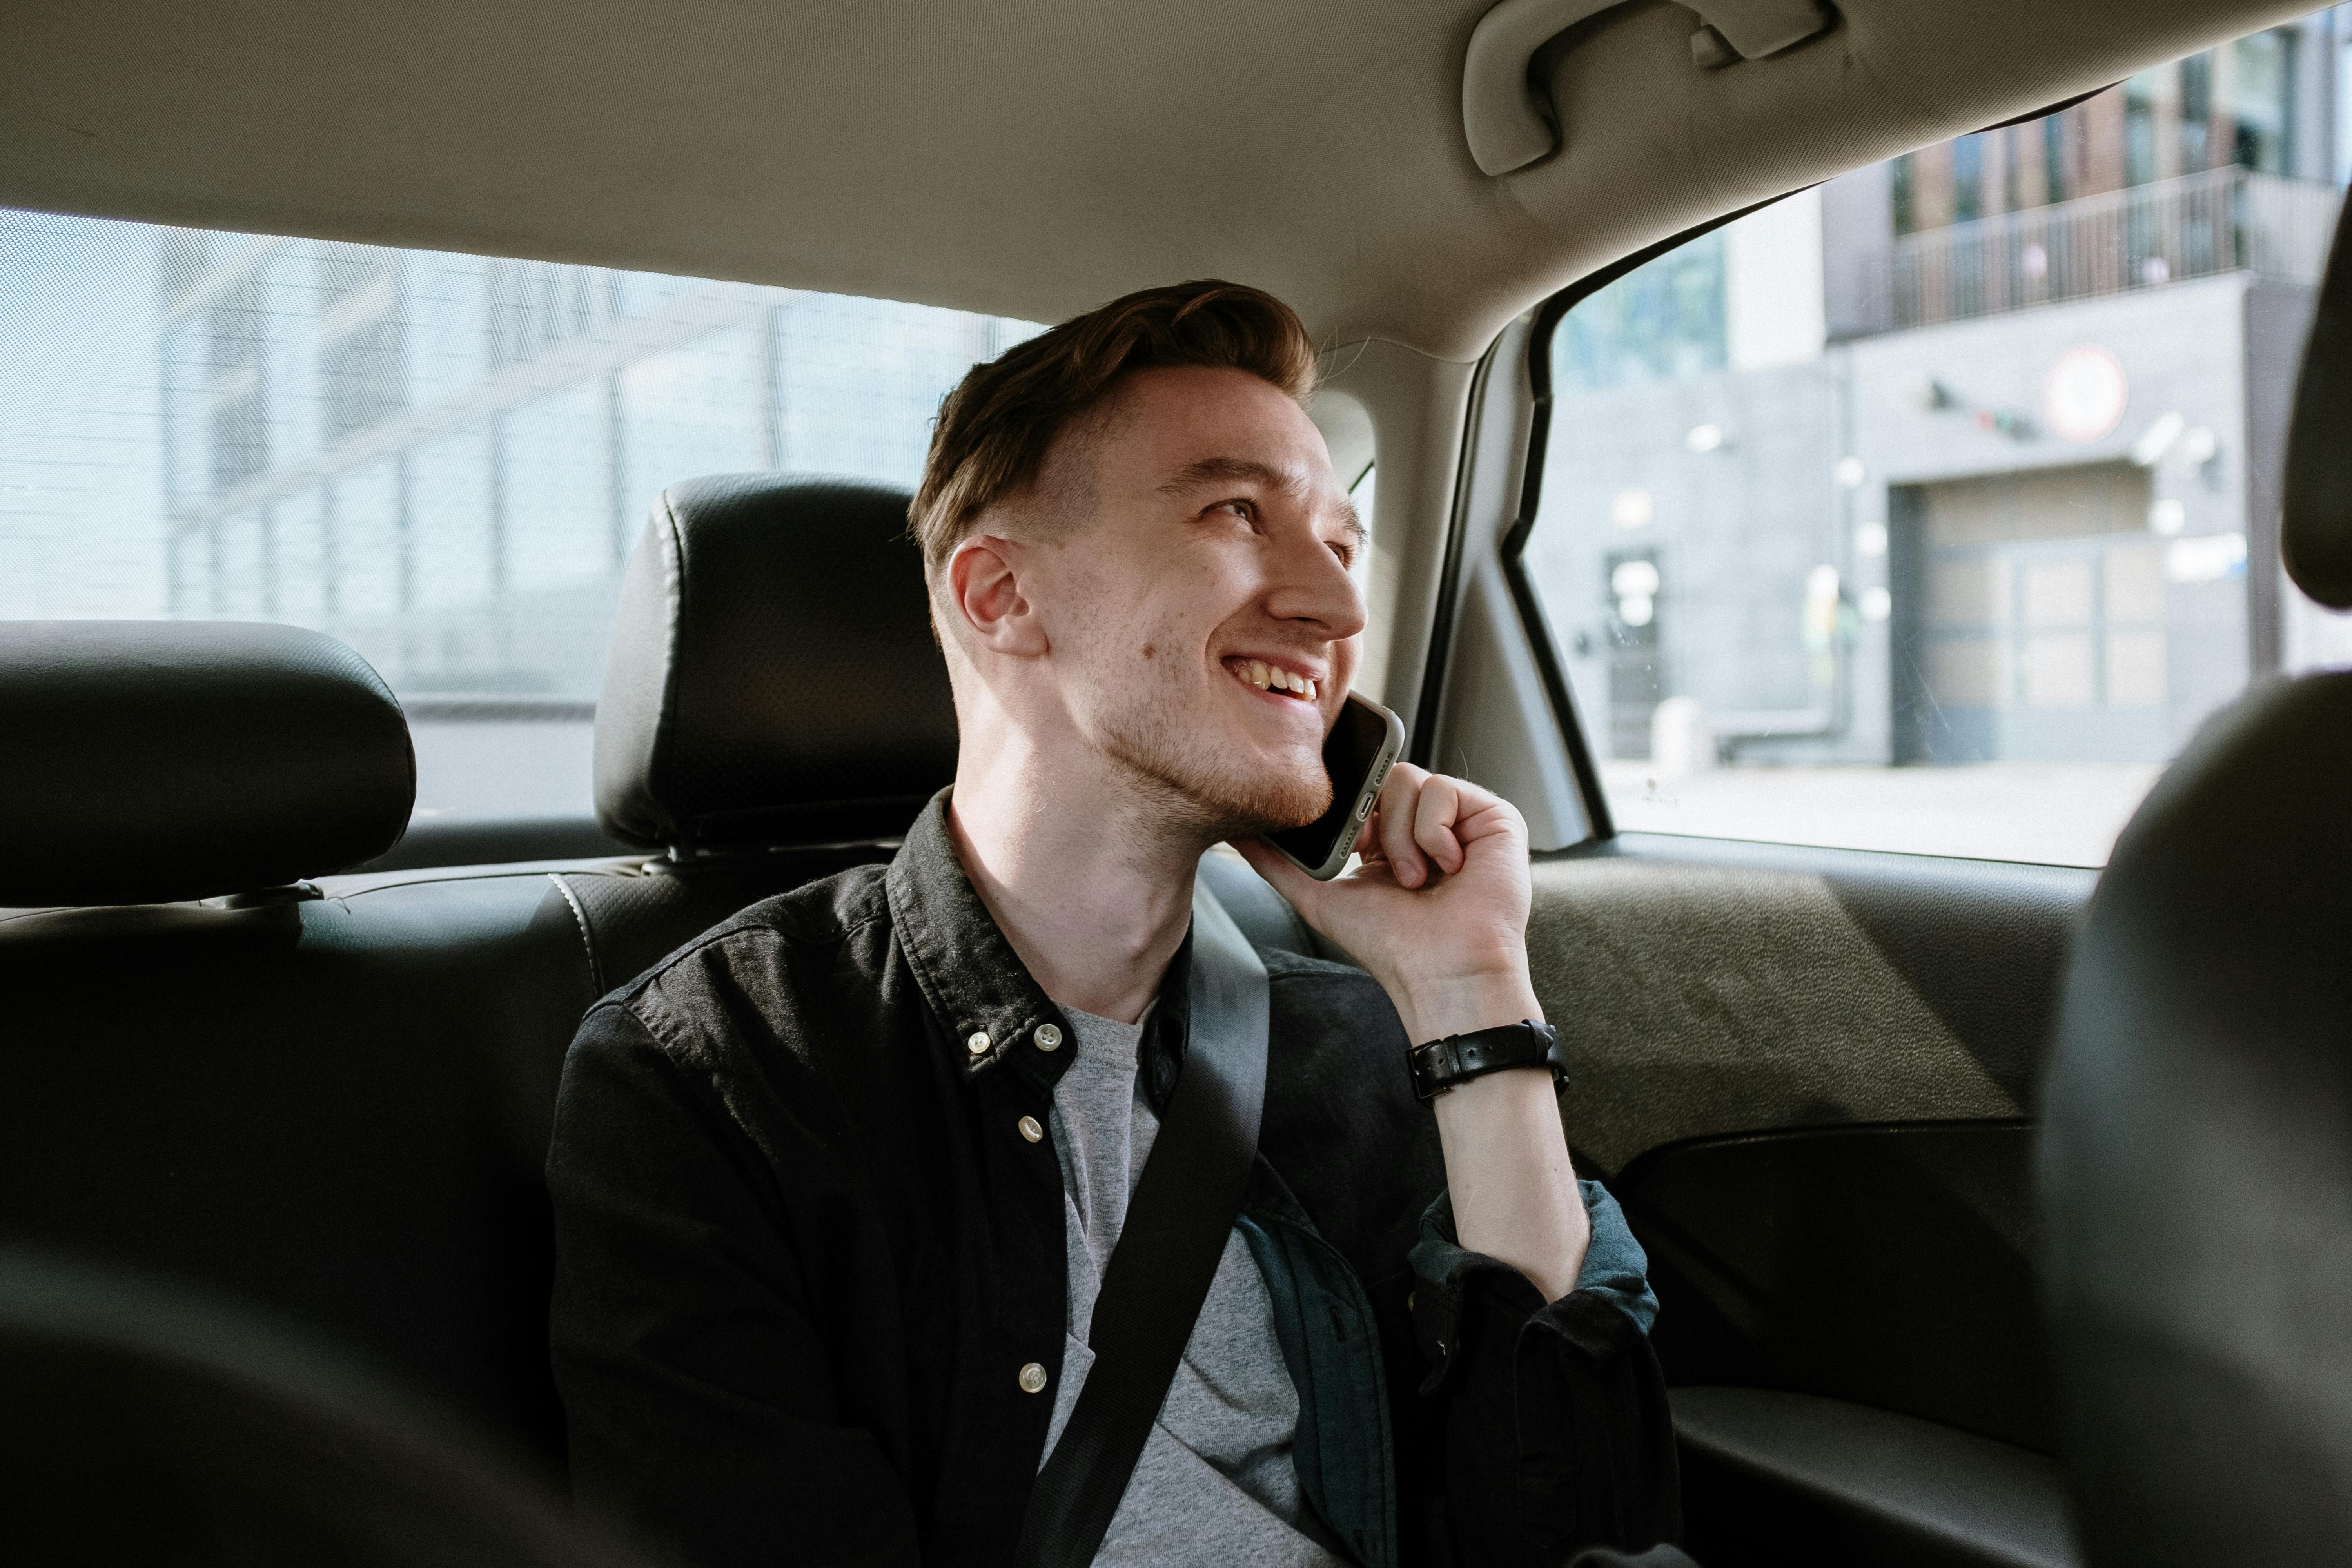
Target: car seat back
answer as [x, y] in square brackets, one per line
[2197, 1156]
[332, 1099]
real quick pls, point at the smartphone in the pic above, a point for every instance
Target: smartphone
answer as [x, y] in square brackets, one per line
[1357, 754]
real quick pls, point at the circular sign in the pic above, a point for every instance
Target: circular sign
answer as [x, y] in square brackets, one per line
[2082, 396]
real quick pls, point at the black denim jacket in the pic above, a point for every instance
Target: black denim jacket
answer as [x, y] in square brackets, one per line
[804, 1252]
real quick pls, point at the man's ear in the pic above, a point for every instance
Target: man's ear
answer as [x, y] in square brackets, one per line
[983, 591]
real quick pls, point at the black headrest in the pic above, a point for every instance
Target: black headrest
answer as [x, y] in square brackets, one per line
[773, 678]
[2316, 522]
[2196, 1175]
[149, 762]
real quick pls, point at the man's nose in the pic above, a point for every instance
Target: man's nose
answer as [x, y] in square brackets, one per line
[1313, 585]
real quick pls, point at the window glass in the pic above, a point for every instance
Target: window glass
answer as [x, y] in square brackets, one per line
[1933, 509]
[441, 459]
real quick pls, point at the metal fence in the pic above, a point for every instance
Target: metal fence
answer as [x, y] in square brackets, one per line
[2223, 220]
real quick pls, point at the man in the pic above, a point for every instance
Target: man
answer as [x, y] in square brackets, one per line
[835, 1184]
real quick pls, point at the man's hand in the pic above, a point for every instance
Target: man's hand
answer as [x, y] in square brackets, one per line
[1437, 910]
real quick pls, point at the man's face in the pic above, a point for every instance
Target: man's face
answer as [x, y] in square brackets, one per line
[1205, 629]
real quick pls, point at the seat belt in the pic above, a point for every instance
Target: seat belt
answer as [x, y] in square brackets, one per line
[1183, 1208]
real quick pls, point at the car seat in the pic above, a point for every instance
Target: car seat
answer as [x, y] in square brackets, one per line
[2196, 1171]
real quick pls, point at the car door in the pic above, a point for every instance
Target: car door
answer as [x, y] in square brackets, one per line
[1828, 585]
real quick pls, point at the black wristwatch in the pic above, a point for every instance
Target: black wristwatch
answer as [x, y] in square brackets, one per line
[1457, 1058]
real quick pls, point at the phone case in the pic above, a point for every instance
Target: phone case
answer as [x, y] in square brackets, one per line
[1343, 841]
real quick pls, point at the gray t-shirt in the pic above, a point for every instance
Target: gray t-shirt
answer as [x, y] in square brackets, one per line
[1215, 1480]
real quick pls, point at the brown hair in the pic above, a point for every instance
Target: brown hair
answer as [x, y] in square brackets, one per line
[996, 427]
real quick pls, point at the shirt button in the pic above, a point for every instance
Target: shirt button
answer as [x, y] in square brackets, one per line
[1033, 1379]
[1030, 1130]
[1048, 1038]
[978, 1043]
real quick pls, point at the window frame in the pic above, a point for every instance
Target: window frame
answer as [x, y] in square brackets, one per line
[1533, 621]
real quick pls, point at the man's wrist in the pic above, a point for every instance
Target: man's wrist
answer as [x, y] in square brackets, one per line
[1437, 1006]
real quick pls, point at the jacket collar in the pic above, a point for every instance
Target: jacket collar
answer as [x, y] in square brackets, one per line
[977, 985]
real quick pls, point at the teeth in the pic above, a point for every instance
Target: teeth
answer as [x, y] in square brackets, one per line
[1274, 678]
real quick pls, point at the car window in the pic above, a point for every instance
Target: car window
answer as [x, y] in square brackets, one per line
[442, 459]
[1934, 508]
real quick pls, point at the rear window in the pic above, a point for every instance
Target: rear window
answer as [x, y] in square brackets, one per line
[442, 459]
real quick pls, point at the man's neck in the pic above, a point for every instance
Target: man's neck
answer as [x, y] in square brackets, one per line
[1085, 874]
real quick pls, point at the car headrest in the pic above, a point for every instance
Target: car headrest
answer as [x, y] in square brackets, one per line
[773, 678]
[152, 761]
[2316, 519]
[2196, 1179]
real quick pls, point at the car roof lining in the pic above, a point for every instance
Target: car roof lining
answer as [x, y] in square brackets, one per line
[1026, 157]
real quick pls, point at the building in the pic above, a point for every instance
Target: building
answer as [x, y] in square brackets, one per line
[445, 460]
[1968, 456]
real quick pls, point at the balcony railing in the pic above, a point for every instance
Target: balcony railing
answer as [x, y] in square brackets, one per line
[2223, 220]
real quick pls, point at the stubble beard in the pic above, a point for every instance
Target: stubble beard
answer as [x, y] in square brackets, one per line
[1196, 778]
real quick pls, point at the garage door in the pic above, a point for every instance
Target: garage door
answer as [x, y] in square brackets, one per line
[2039, 618]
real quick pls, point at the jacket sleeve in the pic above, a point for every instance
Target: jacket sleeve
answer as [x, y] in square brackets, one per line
[1551, 1417]
[697, 1391]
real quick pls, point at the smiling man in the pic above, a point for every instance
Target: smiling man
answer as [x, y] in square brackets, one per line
[837, 1185]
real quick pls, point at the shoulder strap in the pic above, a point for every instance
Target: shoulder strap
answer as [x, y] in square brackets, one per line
[1184, 1206]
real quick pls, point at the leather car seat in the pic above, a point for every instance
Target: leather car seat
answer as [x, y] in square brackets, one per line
[2197, 1153]
[152, 761]
[140, 1424]
[224, 1067]
[776, 708]
[329, 1095]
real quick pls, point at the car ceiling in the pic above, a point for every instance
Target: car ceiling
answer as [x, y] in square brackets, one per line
[1028, 157]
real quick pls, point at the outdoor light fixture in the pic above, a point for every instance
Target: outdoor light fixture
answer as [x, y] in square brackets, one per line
[1636, 585]
[1632, 508]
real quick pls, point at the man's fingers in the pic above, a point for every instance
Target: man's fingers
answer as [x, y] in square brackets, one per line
[1480, 813]
[1287, 880]
[1399, 802]
[1434, 815]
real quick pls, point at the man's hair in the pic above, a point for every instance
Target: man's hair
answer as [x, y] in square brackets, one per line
[995, 428]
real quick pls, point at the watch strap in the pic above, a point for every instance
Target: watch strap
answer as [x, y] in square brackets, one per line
[1457, 1058]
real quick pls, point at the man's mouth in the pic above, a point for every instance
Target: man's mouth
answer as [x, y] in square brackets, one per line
[1272, 678]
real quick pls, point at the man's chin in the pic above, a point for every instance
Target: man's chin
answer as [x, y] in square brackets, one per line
[1233, 802]
[1262, 802]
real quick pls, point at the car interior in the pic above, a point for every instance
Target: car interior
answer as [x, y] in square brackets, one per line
[1996, 1196]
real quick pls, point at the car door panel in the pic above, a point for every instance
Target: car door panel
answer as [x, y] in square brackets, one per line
[1810, 1075]
[1705, 987]
[1788, 1479]
[1890, 1266]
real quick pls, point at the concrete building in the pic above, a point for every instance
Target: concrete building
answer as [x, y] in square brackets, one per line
[1968, 456]
[444, 459]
